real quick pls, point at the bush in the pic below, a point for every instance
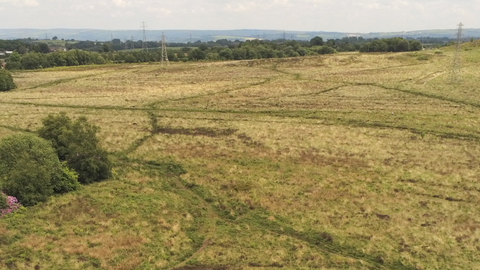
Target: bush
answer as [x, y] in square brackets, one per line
[13, 65]
[53, 130]
[65, 180]
[326, 50]
[130, 59]
[77, 144]
[6, 81]
[3, 201]
[27, 165]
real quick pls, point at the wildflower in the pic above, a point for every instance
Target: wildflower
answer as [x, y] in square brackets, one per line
[12, 203]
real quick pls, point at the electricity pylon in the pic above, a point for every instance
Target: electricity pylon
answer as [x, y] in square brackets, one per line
[144, 40]
[455, 71]
[164, 55]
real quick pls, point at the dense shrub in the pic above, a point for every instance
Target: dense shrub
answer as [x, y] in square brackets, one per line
[391, 45]
[77, 144]
[326, 50]
[27, 165]
[65, 180]
[6, 81]
[53, 130]
[13, 65]
[34, 60]
[3, 201]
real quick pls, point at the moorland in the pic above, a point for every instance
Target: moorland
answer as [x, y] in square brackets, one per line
[344, 161]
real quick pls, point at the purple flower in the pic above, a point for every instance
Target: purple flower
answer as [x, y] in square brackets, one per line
[13, 205]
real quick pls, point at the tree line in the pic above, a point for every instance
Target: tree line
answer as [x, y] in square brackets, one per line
[391, 45]
[23, 46]
[220, 50]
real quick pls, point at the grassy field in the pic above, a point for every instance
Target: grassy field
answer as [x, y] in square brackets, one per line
[348, 161]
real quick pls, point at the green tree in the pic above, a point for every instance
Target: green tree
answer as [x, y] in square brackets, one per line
[15, 57]
[212, 56]
[289, 51]
[27, 165]
[21, 49]
[54, 127]
[186, 49]
[398, 45]
[172, 56]
[6, 81]
[197, 54]
[331, 43]
[57, 59]
[365, 47]
[3, 201]
[41, 47]
[106, 47]
[65, 180]
[33, 60]
[316, 41]
[77, 144]
[130, 59]
[203, 47]
[415, 45]
[380, 45]
[226, 54]
[326, 50]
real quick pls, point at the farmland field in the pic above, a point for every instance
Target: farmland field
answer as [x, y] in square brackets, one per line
[347, 161]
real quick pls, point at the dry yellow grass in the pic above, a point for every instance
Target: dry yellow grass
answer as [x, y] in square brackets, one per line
[376, 151]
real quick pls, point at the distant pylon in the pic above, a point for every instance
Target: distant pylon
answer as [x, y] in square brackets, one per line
[164, 54]
[132, 44]
[455, 71]
[144, 40]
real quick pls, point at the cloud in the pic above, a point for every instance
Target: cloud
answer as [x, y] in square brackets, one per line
[308, 15]
[121, 3]
[156, 10]
[241, 7]
[27, 3]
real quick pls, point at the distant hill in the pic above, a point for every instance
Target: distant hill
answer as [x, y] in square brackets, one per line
[207, 35]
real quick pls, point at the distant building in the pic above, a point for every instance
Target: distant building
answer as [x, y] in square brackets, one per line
[56, 49]
[8, 52]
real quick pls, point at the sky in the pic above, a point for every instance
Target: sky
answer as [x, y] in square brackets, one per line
[361, 16]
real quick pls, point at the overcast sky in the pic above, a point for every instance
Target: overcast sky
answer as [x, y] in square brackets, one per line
[310, 15]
